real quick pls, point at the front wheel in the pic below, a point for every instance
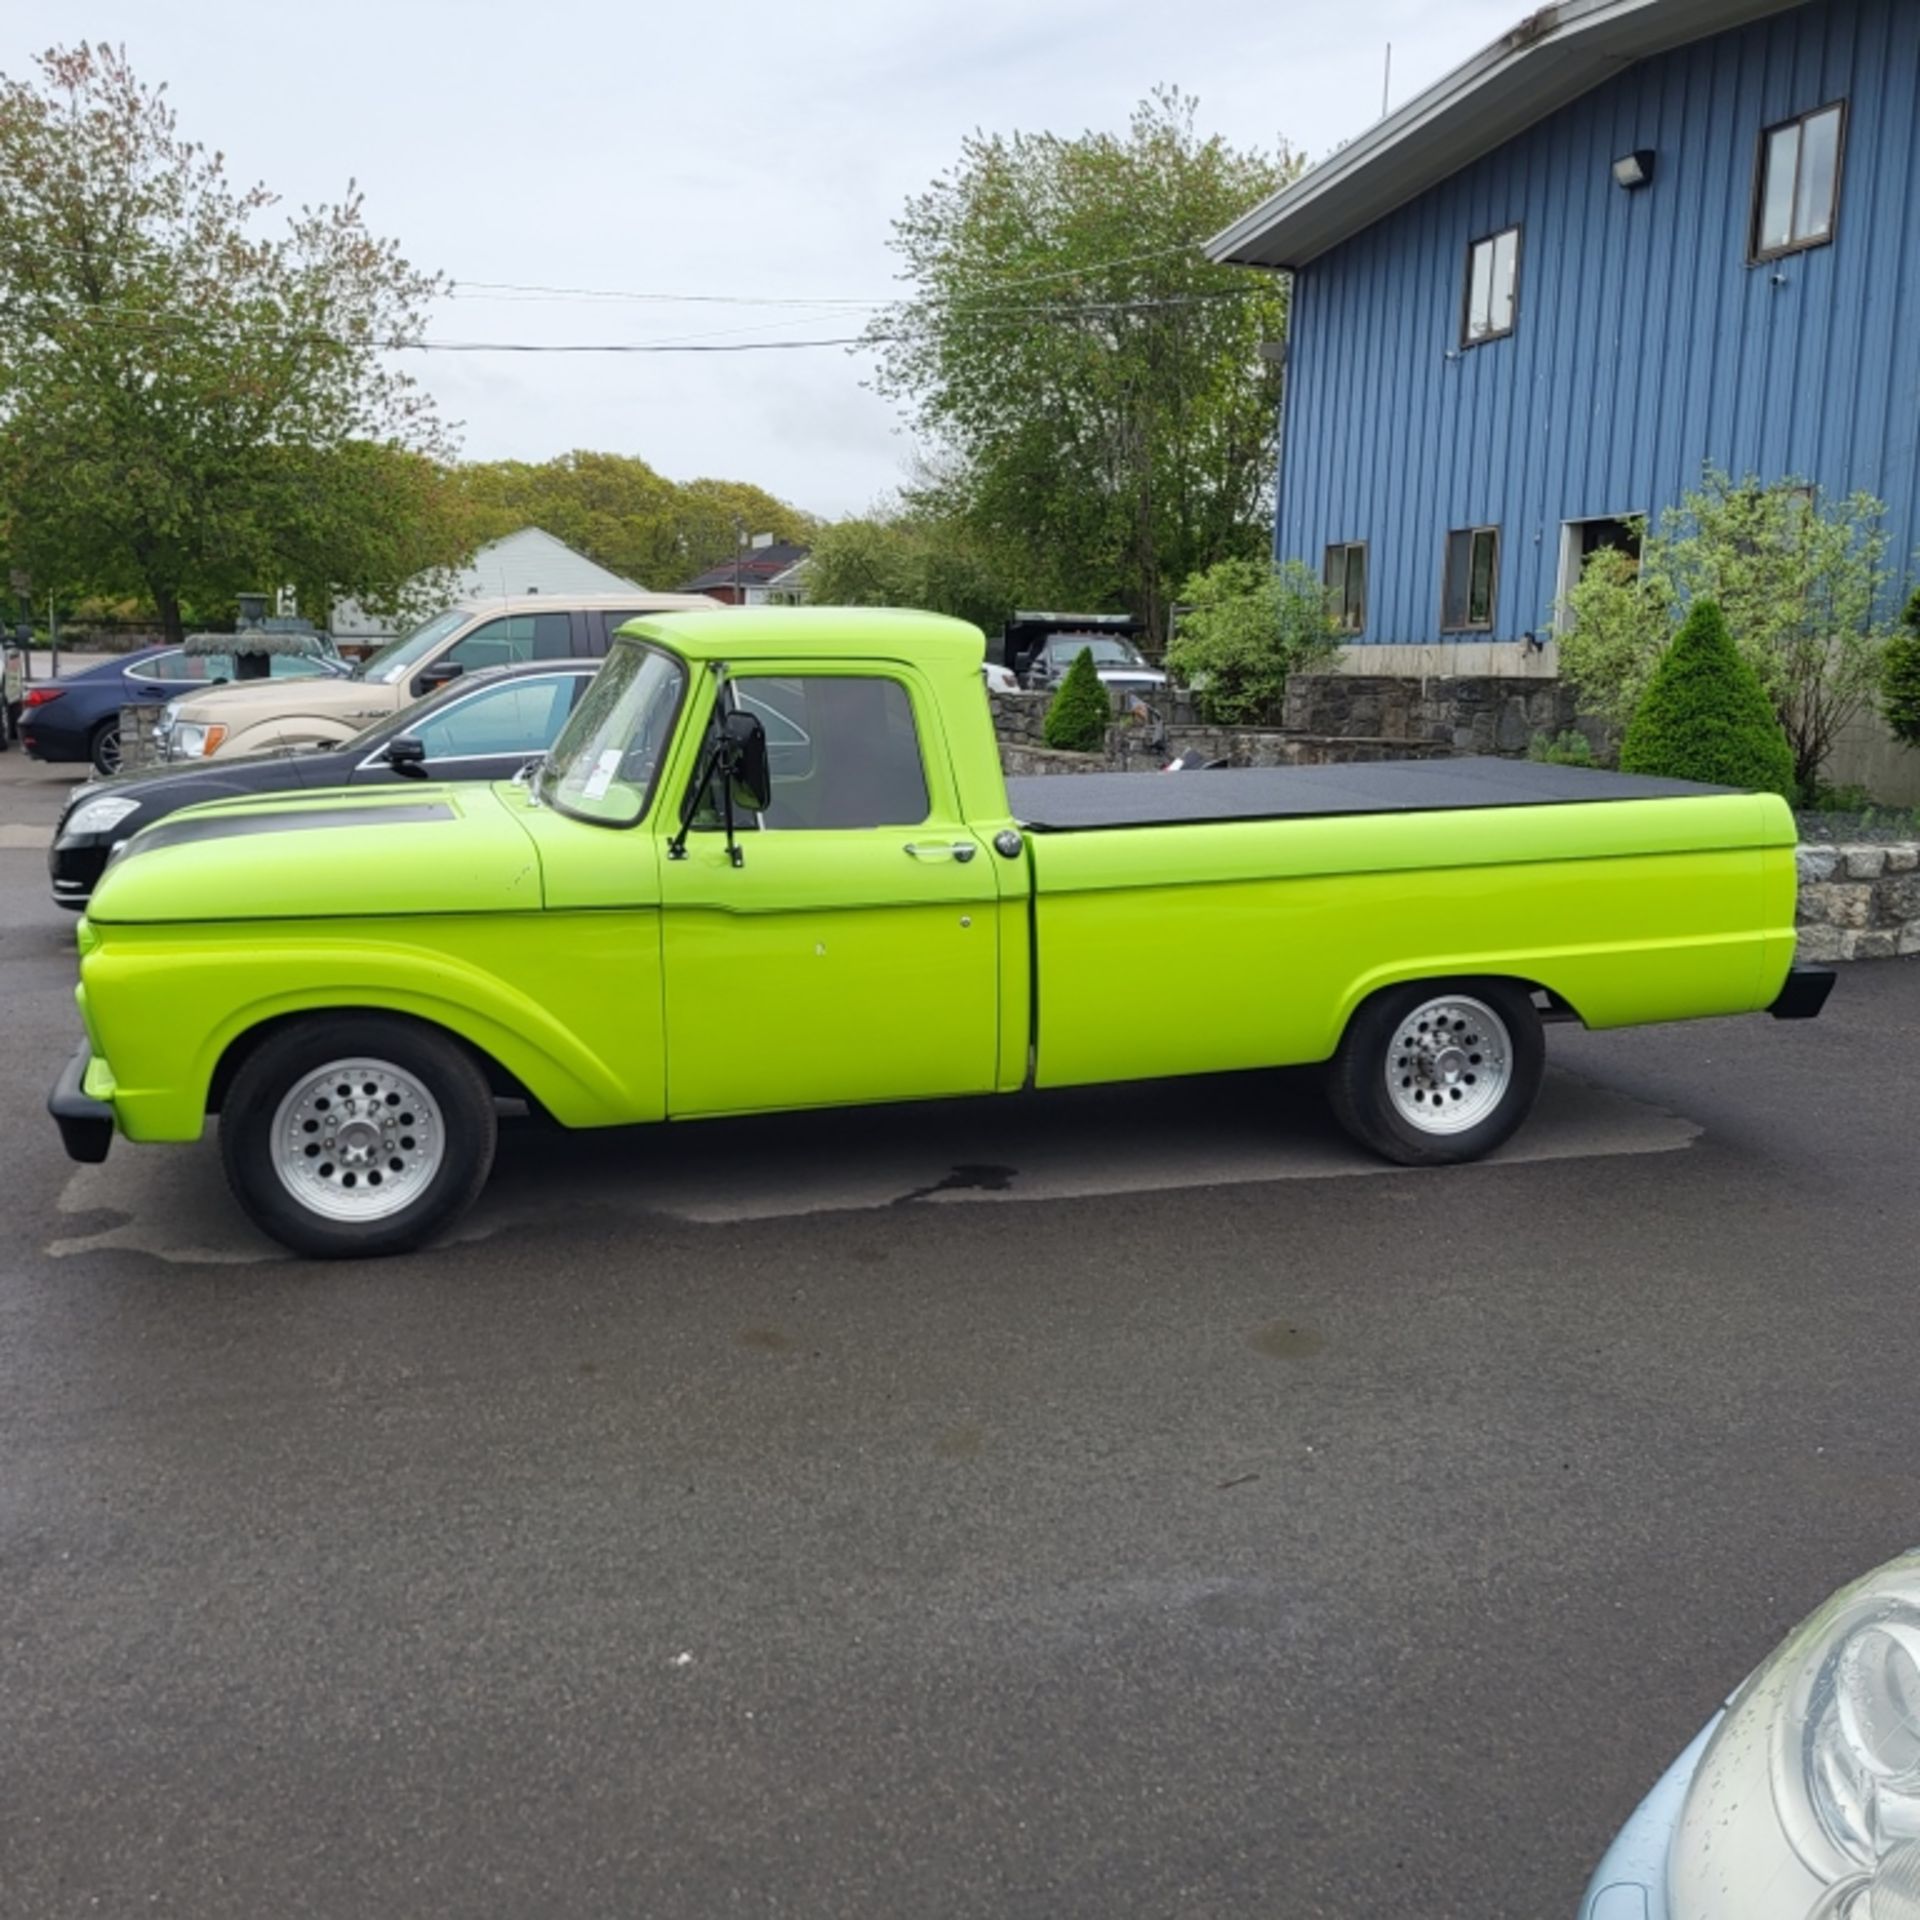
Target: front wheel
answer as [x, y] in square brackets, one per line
[349, 1135]
[1438, 1072]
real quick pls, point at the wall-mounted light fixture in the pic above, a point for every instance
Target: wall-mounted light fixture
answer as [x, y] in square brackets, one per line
[1634, 169]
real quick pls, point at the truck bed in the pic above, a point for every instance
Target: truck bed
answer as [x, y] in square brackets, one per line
[1084, 802]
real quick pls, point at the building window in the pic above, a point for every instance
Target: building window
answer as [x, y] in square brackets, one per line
[1473, 568]
[1797, 187]
[1493, 275]
[1346, 578]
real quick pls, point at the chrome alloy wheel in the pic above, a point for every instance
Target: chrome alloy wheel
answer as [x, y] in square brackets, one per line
[357, 1140]
[1449, 1065]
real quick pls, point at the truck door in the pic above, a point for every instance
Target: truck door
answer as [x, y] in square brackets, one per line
[851, 956]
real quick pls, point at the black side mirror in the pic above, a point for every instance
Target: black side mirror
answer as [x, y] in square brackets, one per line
[407, 756]
[743, 743]
[437, 675]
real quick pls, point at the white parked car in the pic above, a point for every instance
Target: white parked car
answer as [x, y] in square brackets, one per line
[1119, 663]
[1800, 1799]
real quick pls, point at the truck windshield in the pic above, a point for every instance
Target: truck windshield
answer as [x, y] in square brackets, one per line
[604, 765]
[393, 661]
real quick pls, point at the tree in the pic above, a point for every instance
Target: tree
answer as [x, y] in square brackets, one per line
[1705, 715]
[1900, 677]
[1799, 579]
[191, 406]
[1245, 627]
[620, 512]
[1095, 386]
[1077, 720]
[895, 559]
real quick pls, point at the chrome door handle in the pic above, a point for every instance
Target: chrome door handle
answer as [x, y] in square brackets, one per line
[961, 850]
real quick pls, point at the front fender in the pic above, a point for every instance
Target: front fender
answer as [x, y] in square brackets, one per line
[568, 1004]
[265, 735]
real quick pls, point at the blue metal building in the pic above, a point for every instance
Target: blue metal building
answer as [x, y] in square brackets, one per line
[1632, 238]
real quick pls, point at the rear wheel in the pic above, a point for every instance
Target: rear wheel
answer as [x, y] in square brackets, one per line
[356, 1134]
[104, 747]
[1439, 1071]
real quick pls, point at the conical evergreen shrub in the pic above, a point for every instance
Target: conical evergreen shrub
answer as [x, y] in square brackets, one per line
[1705, 715]
[1900, 677]
[1077, 720]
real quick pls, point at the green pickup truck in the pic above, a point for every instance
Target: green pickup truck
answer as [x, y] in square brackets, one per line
[772, 863]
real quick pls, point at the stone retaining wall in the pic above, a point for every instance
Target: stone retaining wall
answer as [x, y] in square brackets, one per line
[1859, 902]
[139, 744]
[1461, 714]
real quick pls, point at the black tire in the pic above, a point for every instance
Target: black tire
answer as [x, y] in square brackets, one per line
[103, 747]
[430, 1060]
[1358, 1078]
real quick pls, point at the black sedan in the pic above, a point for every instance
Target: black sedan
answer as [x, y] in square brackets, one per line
[483, 726]
[77, 717]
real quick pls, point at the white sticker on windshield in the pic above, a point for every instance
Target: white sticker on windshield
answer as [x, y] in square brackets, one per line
[601, 778]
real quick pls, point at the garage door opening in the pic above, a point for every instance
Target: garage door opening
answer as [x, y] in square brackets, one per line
[1580, 540]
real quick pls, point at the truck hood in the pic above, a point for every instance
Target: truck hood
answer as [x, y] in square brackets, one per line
[332, 854]
[343, 698]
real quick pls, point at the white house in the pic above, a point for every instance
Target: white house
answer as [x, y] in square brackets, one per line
[530, 561]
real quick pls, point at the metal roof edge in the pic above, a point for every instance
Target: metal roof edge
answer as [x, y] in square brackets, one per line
[1664, 24]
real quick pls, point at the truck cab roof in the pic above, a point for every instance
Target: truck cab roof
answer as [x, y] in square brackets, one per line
[842, 633]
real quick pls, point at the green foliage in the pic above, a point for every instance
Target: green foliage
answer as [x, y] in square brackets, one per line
[1245, 626]
[190, 405]
[1093, 384]
[1077, 720]
[1567, 749]
[1616, 623]
[1848, 799]
[1799, 580]
[901, 559]
[1900, 677]
[619, 512]
[1705, 715]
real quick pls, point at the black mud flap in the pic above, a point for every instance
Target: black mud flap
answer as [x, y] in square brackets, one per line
[1804, 994]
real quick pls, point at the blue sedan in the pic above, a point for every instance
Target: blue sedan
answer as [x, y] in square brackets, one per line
[77, 717]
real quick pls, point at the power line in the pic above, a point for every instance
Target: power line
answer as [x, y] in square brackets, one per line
[465, 289]
[138, 320]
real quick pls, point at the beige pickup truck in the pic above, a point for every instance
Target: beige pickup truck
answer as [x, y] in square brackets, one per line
[254, 716]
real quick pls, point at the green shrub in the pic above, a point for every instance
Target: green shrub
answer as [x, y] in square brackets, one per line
[1077, 720]
[1244, 628]
[1900, 677]
[1826, 799]
[1568, 749]
[1705, 716]
[1798, 577]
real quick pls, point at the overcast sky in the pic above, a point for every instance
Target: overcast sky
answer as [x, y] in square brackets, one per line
[708, 147]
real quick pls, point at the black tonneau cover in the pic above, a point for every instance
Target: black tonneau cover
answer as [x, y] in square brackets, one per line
[1079, 802]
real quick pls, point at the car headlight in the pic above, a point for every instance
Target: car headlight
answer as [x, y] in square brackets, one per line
[1806, 1803]
[99, 815]
[190, 740]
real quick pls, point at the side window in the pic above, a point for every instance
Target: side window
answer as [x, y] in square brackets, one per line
[516, 637]
[614, 622]
[169, 667]
[1346, 578]
[212, 669]
[1493, 277]
[523, 717]
[843, 750]
[1796, 188]
[1472, 575]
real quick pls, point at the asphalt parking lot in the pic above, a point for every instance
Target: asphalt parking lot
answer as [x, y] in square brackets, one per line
[1120, 1505]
